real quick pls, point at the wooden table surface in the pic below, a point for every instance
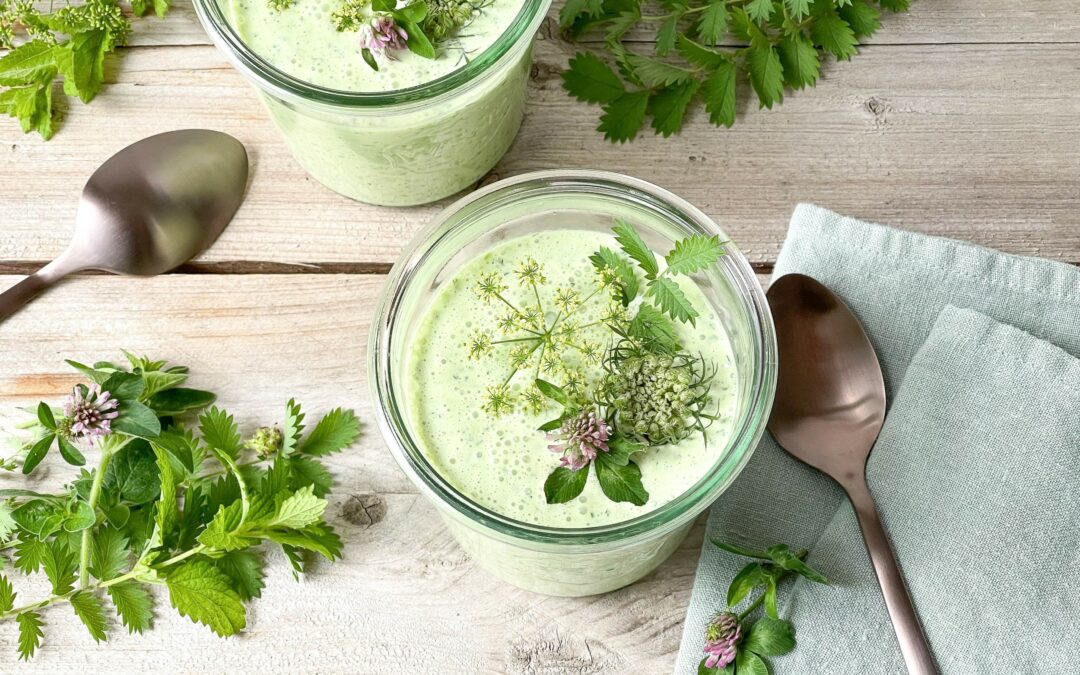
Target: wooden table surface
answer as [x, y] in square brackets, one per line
[961, 118]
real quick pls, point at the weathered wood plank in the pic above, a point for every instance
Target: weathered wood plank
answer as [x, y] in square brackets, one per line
[979, 142]
[928, 22]
[405, 598]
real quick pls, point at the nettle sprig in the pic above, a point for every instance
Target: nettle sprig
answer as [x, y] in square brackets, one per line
[735, 643]
[642, 391]
[781, 46]
[387, 26]
[174, 501]
[68, 44]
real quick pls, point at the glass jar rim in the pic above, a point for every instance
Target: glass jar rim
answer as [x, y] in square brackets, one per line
[668, 516]
[273, 79]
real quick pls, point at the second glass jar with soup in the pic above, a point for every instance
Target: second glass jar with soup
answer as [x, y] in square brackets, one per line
[363, 103]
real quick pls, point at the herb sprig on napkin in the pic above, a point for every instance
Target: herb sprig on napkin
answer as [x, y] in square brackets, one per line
[176, 500]
[69, 45]
[781, 44]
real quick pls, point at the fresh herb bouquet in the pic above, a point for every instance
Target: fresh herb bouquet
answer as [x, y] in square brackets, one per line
[781, 46]
[182, 506]
[68, 44]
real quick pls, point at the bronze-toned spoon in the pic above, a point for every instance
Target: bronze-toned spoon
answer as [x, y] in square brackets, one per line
[829, 408]
[149, 208]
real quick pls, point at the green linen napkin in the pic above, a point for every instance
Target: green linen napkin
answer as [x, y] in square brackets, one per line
[976, 473]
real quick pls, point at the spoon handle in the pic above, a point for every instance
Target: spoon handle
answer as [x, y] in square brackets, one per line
[913, 646]
[13, 299]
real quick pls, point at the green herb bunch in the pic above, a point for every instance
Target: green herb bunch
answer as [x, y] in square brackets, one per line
[643, 390]
[68, 44]
[782, 44]
[174, 501]
[736, 643]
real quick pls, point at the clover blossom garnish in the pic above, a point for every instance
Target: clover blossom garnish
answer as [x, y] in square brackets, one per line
[722, 636]
[580, 438]
[382, 36]
[90, 412]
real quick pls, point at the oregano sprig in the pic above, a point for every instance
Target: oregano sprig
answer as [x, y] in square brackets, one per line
[176, 499]
[781, 46]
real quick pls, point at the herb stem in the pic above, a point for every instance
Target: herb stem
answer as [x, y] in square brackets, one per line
[754, 605]
[95, 493]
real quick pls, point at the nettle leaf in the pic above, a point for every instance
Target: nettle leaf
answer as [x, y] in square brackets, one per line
[665, 35]
[668, 107]
[91, 612]
[7, 594]
[337, 430]
[770, 637]
[834, 35]
[299, 510]
[30, 634]
[798, 8]
[221, 533]
[81, 61]
[623, 117]
[108, 554]
[245, 570]
[304, 471]
[654, 73]
[605, 258]
[573, 9]
[634, 246]
[654, 330]
[863, 17]
[718, 90]
[622, 483]
[133, 605]
[799, 60]
[59, 565]
[564, 485]
[766, 72]
[700, 55]
[166, 511]
[133, 473]
[591, 80]
[204, 594]
[672, 300]
[713, 24]
[694, 253]
[26, 64]
[760, 10]
[220, 432]
[319, 538]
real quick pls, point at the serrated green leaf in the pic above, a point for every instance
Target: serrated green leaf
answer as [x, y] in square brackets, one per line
[166, 510]
[623, 117]
[91, 612]
[798, 8]
[713, 23]
[59, 565]
[863, 18]
[799, 60]
[655, 73]
[895, 5]
[245, 570]
[718, 90]
[108, 553]
[573, 9]
[320, 538]
[7, 523]
[672, 300]
[81, 61]
[293, 427]
[591, 80]
[699, 55]
[30, 634]
[694, 253]
[666, 34]
[653, 330]
[634, 246]
[622, 483]
[562, 484]
[133, 604]
[299, 510]
[668, 107]
[766, 72]
[220, 432]
[28, 63]
[7, 595]
[204, 594]
[605, 258]
[32, 105]
[222, 531]
[834, 35]
[29, 555]
[304, 471]
[760, 10]
[337, 430]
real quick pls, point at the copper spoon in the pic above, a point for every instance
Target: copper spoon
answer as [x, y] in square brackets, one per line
[149, 208]
[829, 409]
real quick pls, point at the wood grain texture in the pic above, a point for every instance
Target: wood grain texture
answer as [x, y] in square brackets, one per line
[405, 598]
[979, 142]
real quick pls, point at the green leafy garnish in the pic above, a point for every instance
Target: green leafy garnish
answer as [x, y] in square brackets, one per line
[164, 505]
[783, 44]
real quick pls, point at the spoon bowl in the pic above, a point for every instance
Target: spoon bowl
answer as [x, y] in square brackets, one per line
[828, 412]
[148, 209]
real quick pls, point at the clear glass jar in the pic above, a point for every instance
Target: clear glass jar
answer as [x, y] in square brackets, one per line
[567, 561]
[399, 148]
